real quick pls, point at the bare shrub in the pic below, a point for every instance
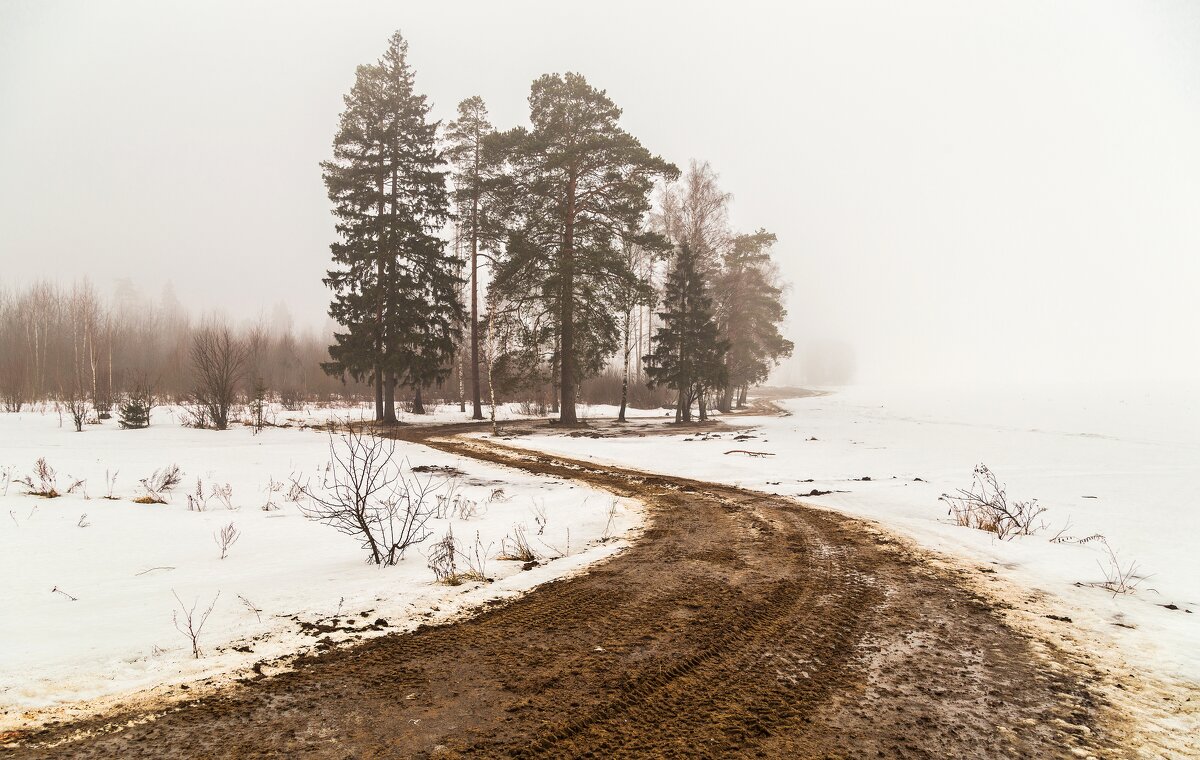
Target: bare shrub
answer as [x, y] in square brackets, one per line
[445, 555]
[985, 506]
[225, 538]
[219, 361]
[76, 404]
[366, 494]
[43, 482]
[532, 408]
[1119, 578]
[516, 547]
[160, 483]
[188, 624]
[612, 517]
[442, 560]
[110, 482]
[540, 518]
[273, 487]
[223, 495]
[6, 477]
[196, 501]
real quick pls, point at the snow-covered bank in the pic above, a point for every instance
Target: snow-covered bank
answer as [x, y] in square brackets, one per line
[1120, 462]
[87, 583]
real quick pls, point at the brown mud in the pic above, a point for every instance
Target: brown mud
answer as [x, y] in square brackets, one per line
[738, 625]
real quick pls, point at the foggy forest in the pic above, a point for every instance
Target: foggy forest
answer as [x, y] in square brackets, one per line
[528, 380]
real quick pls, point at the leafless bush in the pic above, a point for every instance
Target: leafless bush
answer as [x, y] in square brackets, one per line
[196, 501]
[985, 506]
[516, 547]
[447, 501]
[1119, 578]
[159, 483]
[612, 517]
[6, 476]
[185, 621]
[273, 487]
[226, 537]
[540, 517]
[46, 483]
[224, 495]
[109, 484]
[195, 415]
[441, 558]
[219, 362]
[365, 494]
[445, 555]
[295, 491]
[76, 404]
[532, 408]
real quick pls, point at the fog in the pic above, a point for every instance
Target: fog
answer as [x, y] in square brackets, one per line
[960, 190]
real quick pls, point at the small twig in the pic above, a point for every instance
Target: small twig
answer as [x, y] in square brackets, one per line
[57, 590]
[163, 567]
[751, 453]
[250, 605]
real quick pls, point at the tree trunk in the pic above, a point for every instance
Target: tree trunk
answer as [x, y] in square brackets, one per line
[726, 403]
[567, 355]
[742, 396]
[418, 406]
[477, 413]
[625, 376]
[378, 381]
[389, 399]
[703, 410]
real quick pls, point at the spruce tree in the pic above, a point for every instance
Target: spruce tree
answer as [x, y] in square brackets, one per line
[687, 353]
[134, 413]
[578, 181]
[395, 285]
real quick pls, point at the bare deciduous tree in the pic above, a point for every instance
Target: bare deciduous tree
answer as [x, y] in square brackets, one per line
[366, 494]
[219, 361]
[188, 624]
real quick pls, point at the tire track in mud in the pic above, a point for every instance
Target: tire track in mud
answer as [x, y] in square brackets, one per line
[739, 624]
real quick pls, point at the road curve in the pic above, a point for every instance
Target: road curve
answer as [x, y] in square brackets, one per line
[739, 625]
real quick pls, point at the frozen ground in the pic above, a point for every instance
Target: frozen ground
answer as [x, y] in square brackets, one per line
[122, 561]
[1124, 463]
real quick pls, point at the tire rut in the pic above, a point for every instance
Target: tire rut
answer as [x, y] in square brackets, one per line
[738, 624]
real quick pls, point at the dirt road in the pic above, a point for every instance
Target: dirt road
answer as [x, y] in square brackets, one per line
[739, 625]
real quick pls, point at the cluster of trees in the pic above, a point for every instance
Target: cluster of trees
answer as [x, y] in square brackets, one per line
[579, 262]
[92, 354]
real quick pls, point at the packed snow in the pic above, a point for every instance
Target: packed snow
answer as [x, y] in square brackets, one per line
[1120, 462]
[90, 583]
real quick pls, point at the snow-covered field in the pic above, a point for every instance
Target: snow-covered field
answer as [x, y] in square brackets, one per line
[89, 583]
[1124, 463]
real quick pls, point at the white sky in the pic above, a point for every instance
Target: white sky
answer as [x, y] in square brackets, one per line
[960, 189]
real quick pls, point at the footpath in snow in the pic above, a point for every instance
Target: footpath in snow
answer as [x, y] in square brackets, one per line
[90, 583]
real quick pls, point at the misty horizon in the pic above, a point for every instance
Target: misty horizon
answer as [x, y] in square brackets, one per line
[953, 193]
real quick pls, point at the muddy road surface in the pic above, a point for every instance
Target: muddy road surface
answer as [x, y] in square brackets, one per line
[738, 625]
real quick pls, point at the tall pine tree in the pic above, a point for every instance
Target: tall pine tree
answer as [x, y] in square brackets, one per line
[578, 181]
[394, 283]
[687, 353]
[475, 175]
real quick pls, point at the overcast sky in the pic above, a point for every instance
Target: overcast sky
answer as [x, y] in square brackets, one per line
[959, 189]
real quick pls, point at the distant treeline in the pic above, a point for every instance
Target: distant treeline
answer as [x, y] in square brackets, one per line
[66, 342]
